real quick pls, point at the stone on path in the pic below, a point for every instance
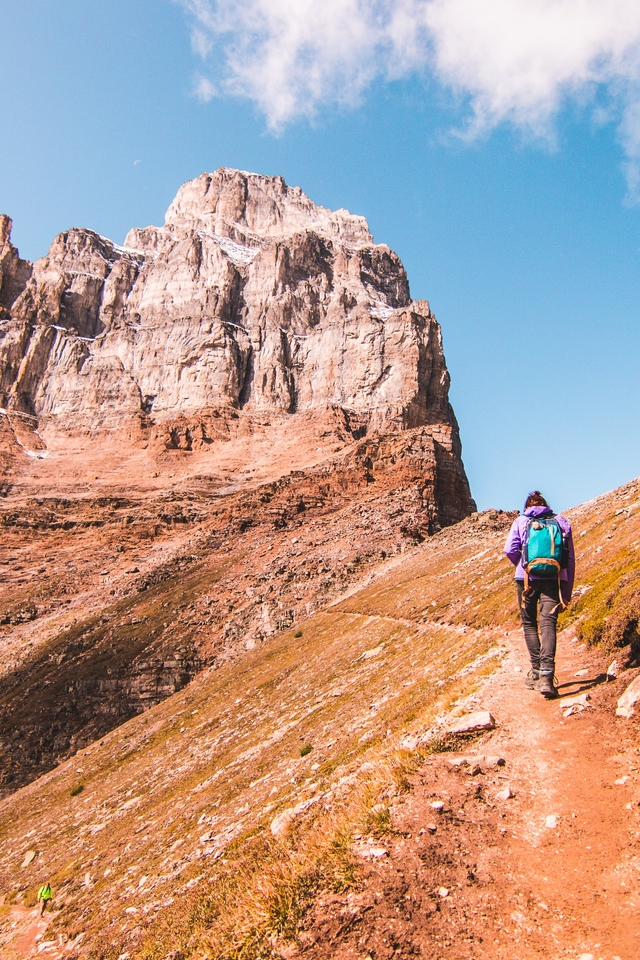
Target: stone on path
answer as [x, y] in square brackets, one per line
[575, 704]
[472, 722]
[29, 857]
[628, 699]
[613, 670]
[437, 805]
[551, 822]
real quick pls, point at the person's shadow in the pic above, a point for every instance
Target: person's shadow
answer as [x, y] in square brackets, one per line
[580, 685]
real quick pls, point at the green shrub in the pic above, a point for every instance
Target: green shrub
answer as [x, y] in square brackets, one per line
[305, 750]
[78, 789]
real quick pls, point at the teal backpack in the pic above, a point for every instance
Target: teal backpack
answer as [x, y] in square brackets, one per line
[544, 551]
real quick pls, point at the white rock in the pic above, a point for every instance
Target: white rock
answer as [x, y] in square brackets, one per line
[282, 823]
[581, 673]
[628, 699]
[575, 704]
[551, 822]
[431, 827]
[494, 762]
[621, 781]
[443, 892]
[574, 708]
[457, 761]
[472, 722]
[29, 857]
[373, 853]
[613, 670]
[437, 805]
[505, 794]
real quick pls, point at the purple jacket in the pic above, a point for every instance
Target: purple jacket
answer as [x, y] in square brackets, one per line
[513, 546]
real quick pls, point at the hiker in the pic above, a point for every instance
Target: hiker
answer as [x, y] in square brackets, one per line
[540, 546]
[44, 895]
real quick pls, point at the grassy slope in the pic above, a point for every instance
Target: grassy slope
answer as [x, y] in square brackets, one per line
[168, 848]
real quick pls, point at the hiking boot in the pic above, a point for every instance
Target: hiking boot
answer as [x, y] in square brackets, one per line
[531, 680]
[546, 687]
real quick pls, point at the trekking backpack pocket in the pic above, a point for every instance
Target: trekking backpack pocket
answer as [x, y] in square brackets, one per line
[544, 552]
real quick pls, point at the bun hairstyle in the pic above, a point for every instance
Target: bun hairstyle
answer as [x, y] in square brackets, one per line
[535, 499]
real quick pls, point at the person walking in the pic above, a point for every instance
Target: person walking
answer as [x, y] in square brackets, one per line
[540, 546]
[44, 895]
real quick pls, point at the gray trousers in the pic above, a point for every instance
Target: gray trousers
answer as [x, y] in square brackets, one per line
[539, 613]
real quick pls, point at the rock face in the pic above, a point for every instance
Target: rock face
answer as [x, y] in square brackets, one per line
[250, 298]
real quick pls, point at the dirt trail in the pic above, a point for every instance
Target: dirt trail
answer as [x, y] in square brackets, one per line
[25, 936]
[516, 887]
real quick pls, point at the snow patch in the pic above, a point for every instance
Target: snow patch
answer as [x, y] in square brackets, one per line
[237, 252]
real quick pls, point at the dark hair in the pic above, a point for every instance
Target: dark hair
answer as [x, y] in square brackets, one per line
[535, 499]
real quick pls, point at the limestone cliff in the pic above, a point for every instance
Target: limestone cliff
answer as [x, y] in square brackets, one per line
[250, 297]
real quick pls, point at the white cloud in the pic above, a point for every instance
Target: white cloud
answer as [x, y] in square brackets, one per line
[515, 61]
[203, 89]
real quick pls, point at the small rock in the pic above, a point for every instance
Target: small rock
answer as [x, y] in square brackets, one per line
[376, 853]
[443, 892]
[621, 781]
[628, 699]
[494, 762]
[29, 857]
[474, 770]
[613, 670]
[505, 794]
[517, 669]
[437, 805]
[457, 761]
[551, 822]
[282, 823]
[472, 722]
[575, 704]
[373, 652]
[574, 708]
[411, 742]
[581, 673]
[431, 827]
[587, 956]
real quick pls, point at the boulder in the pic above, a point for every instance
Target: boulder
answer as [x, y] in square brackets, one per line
[472, 723]
[628, 699]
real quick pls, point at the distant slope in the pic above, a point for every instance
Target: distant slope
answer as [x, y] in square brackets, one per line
[167, 848]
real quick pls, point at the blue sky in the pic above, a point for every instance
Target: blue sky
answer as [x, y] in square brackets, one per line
[523, 234]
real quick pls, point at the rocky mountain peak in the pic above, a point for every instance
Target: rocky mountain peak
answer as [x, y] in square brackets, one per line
[250, 207]
[251, 302]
